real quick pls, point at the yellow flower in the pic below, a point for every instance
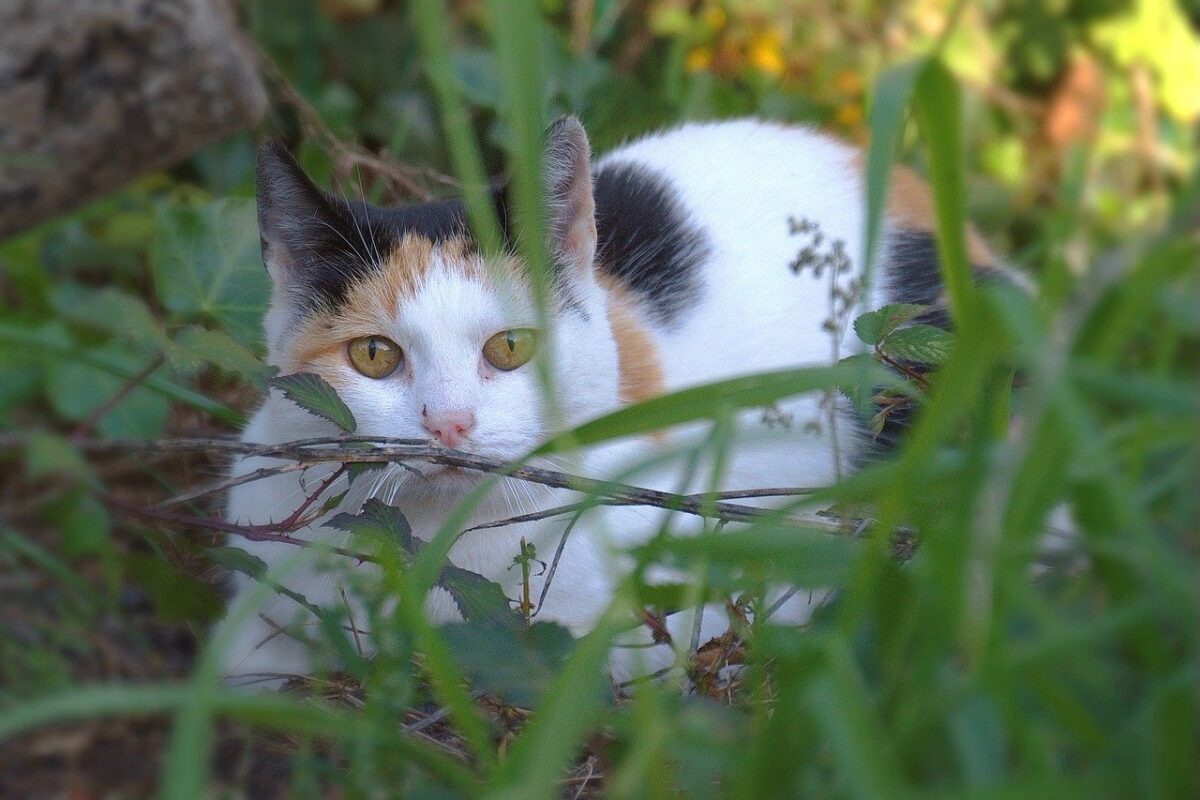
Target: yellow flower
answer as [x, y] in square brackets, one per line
[765, 54]
[847, 82]
[714, 18]
[848, 115]
[697, 59]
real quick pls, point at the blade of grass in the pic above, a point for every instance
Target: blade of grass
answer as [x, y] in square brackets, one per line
[545, 747]
[889, 106]
[270, 711]
[433, 33]
[936, 103]
[517, 31]
[702, 402]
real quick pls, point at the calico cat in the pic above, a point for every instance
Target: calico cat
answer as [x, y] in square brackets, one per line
[671, 268]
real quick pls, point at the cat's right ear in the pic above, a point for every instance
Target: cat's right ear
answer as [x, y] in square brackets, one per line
[299, 225]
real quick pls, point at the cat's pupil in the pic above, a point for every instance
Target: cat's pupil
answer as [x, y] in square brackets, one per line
[371, 349]
[512, 341]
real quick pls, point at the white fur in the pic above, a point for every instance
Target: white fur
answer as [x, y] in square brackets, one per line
[740, 181]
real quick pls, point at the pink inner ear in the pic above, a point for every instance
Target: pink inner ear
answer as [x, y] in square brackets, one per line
[580, 238]
[569, 179]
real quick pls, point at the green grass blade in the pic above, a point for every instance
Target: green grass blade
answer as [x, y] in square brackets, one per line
[433, 33]
[936, 102]
[889, 106]
[541, 755]
[702, 402]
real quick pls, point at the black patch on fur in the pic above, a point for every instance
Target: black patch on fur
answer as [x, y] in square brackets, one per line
[334, 242]
[645, 240]
[910, 273]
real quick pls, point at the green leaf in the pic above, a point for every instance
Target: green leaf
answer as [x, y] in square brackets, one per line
[112, 311]
[82, 522]
[874, 326]
[207, 262]
[77, 388]
[238, 560]
[50, 454]
[313, 394]
[477, 598]
[518, 662]
[861, 392]
[923, 344]
[53, 339]
[177, 596]
[194, 346]
[377, 521]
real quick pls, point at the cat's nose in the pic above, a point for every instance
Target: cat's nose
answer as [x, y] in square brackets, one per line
[448, 427]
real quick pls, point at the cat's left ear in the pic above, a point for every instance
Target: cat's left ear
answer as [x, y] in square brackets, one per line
[570, 205]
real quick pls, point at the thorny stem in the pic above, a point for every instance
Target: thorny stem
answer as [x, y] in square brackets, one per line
[903, 368]
[268, 532]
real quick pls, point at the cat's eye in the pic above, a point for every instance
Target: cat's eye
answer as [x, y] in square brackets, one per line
[375, 356]
[510, 349]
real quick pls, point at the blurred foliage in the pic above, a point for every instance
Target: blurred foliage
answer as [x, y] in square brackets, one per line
[138, 317]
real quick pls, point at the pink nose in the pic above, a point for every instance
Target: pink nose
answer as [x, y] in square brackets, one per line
[449, 427]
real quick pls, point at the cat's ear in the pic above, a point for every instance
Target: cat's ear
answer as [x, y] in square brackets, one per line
[570, 205]
[300, 226]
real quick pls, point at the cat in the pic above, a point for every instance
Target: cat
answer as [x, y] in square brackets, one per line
[671, 263]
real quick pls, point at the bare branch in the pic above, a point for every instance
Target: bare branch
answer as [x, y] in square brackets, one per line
[380, 450]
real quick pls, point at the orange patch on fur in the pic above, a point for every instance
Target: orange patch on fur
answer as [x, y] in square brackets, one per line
[910, 206]
[637, 358]
[371, 302]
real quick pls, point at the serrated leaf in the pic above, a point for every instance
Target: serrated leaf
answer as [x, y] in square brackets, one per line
[313, 394]
[112, 311]
[518, 662]
[238, 560]
[923, 344]
[195, 346]
[874, 326]
[477, 598]
[379, 521]
[207, 261]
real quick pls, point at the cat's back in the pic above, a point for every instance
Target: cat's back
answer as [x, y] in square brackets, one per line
[697, 222]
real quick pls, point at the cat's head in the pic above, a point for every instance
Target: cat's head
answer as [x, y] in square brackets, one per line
[420, 335]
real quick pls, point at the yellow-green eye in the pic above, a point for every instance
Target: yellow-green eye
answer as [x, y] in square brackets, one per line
[375, 356]
[510, 349]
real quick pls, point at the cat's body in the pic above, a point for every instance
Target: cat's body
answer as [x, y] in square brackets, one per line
[691, 284]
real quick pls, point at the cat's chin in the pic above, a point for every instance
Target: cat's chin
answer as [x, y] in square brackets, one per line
[443, 483]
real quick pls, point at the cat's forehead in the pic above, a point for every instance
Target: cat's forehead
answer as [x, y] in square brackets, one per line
[419, 272]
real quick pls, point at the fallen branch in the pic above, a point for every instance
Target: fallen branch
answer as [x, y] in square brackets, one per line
[381, 450]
